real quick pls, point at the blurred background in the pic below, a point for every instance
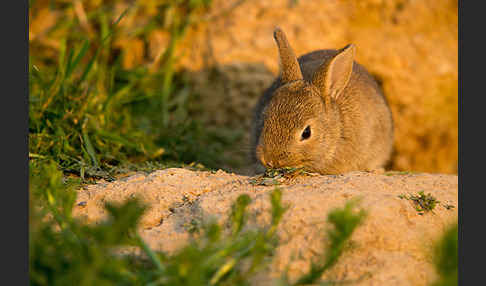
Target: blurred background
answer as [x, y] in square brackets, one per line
[121, 85]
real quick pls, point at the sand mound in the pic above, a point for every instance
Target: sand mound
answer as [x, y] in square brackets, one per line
[391, 247]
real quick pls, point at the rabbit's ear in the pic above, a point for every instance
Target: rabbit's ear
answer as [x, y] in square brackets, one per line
[333, 77]
[289, 66]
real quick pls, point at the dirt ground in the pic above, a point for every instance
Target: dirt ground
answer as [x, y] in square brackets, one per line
[392, 246]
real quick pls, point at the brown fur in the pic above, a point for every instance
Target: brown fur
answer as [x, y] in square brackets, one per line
[350, 121]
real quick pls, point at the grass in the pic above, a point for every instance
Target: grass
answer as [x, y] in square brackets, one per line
[96, 118]
[446, 258]
[424, 202]
[277, 176]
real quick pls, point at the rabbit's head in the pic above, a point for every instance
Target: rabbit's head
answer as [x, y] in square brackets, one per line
[301, 123]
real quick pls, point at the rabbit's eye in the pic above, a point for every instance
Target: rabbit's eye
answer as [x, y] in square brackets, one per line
[306, 133]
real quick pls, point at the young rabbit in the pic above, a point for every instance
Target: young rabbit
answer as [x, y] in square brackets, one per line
[324, 112]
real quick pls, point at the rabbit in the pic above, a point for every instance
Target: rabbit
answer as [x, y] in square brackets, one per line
[324, 113]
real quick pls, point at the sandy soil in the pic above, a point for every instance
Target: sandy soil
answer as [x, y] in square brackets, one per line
[391, 247]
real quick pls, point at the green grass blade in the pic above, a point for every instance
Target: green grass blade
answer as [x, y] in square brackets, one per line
[344, 222]
[150, 253]
[88, 67]
[72, 64]
[110, 33]
[89, 148]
